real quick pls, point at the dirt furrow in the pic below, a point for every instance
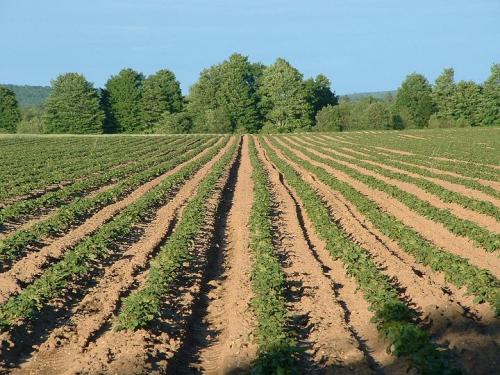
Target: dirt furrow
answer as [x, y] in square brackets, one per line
[319, 319]
[493, 184]
[151, 350]
[355, 308]
[29, 220]
[461, 189]
[92, 316]
[453, 319]
[228, 313]
[484, 220]
[29, 267]
[433, 231]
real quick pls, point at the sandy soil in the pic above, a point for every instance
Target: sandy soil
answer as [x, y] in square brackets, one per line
[207, 322]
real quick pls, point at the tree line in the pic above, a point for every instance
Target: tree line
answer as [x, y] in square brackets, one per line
[239, 96]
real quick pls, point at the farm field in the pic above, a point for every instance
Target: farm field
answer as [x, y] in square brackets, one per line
[353, 253]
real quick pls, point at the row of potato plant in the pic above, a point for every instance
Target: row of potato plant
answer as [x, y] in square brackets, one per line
[277, 347]
[80, 260]
[481, 236]
[144, 305]
[457, 270]
[16, 244]
[394, 319]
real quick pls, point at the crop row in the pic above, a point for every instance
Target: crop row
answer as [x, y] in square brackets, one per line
[143, 306]
[277, 348]
[445, 195]
[472, 147]
[466, 168]
[461, 227]
[457, 270]
[14, 245]
[394, 319]
[63, 169]
[407, 163]
[53, 163]
[79, 261]
[65, 194]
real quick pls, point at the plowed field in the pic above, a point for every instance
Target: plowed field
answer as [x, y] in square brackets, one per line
[350, 253]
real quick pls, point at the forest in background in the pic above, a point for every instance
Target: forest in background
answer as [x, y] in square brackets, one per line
[240, 96]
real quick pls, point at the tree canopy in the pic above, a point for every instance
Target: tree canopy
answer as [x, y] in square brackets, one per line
[161, 92]
[414, 102]
[285, 98]
[121, 100]
[231, 88]
[442, 93]
[73, 106]
[9, 111]
[490, 103]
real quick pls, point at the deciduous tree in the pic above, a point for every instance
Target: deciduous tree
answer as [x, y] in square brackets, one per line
[490, 103]
[123, 101]
[73, 106]
[9, 111]
[414, 101]
[161, 92]
[285, 98]
[442, 93]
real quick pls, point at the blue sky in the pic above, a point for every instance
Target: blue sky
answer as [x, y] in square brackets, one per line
[361, 45]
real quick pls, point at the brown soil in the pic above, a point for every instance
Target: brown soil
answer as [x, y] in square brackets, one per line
[447, 185]
[452, 317]
[228, 314]
[207, 324]
[84, 337]
[433, 231]
[486, 221]
[319, 319]
[28, 221]
[29, 267]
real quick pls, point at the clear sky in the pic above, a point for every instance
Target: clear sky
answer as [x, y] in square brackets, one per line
[361, 45]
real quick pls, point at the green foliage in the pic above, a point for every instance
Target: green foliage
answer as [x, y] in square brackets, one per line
[332, 118]
[436, 122]
[490, 103]
[367, 113]
[161, 93]
[174, 123]
[277, 348]
[285, 98]
[140, 308]
[377, 116]
[414, 102]
[73, 106]
[9, 111]
[442, 93]
[31, 120]
[121, 99]
[227, 90]
[466, 102]
[320, 93]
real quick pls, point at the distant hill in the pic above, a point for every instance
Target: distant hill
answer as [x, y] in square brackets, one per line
[28, 96]
[375, 94]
